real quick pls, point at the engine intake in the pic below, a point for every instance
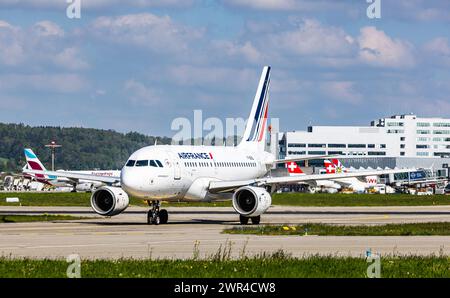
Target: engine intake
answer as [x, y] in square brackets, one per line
[109, 201]
[251, 201]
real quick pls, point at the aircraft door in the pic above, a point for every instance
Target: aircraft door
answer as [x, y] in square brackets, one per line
[176, 167]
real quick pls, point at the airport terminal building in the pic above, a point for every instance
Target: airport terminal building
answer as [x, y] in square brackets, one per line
[397, 141]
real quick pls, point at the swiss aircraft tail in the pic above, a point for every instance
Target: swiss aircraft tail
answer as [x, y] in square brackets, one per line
[334, 166]
[294, 169]
[256, 129]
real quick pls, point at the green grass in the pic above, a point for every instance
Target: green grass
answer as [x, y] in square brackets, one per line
[33, 218]
[410, 229]
[268, 266]
[46, 199]
[284, 199]
[80, 200]
[323, 199]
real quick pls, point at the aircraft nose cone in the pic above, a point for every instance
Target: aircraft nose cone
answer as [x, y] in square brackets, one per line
[129, 181]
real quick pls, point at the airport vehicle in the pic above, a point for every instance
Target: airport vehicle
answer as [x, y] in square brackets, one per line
[203, 173]
[34, 163]
[447, 189]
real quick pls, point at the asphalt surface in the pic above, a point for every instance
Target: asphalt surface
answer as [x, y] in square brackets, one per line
[198, 230]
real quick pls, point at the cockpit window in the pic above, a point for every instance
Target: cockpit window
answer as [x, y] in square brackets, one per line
[130, 163]
[159, 163]
[153, 164]
[142, 163]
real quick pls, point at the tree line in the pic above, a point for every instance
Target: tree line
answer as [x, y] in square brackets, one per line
[82, 148]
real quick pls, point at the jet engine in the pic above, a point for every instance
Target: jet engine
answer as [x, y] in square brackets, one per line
[109, 201]
[251, 201]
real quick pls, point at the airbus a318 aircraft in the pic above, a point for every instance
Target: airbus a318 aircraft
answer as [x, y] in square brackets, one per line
[202, 173]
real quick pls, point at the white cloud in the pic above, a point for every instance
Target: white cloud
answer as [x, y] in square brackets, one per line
[42, 44]
[94, 4]
[343, 91]
[309, 42]
[378, 49]
[160, 34]
[289, 5]
[264, 4]
[312, 38]
[69, 59]
[220, 78]
[438, 51]
[11, 48]
[247, 50]
[48, 29]
[59, 83]
[439, 46]
[139, 94]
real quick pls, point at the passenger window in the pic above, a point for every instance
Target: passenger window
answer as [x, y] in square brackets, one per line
[142, 163]
[130, 163]
[159, 163]
[153, 164]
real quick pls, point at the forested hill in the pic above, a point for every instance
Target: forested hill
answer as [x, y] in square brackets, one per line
[83, 148]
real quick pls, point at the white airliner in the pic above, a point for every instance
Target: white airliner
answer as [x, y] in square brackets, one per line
[334, 166]
[34, 163]
[203, 173]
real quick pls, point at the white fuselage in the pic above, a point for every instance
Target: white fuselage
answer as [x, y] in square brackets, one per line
[183, 173]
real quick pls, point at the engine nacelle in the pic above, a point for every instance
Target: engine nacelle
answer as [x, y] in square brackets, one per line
[109, 201]
[251, 201]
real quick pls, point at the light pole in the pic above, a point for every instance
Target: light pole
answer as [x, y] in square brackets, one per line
[52, 147]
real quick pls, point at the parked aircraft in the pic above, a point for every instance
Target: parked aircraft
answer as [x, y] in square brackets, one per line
[34, 163]
[334, 166]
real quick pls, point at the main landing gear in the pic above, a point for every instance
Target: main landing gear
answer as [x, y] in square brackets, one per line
[155, 216]
[244, 220]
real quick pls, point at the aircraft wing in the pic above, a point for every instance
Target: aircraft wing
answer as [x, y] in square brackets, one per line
[226, 186]
[304, 158]
[75, 176]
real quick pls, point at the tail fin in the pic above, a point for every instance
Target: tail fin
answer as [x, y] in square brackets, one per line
[255, 131]
[293, 168]
[334, 166]
[33, 161]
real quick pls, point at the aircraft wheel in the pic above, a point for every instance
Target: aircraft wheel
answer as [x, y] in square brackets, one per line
[150, 217]
[157, 220]
[243, 219]
[164, 216]
[256, 220]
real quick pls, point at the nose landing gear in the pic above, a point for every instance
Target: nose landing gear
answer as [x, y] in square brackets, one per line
[155, 216]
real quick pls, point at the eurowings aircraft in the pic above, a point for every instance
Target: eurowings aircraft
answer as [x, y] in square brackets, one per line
[203, 173]
[34, 163]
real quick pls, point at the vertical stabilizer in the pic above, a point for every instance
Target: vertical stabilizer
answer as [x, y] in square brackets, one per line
[256, 128]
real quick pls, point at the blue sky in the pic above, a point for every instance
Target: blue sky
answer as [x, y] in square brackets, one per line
[136, 65]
